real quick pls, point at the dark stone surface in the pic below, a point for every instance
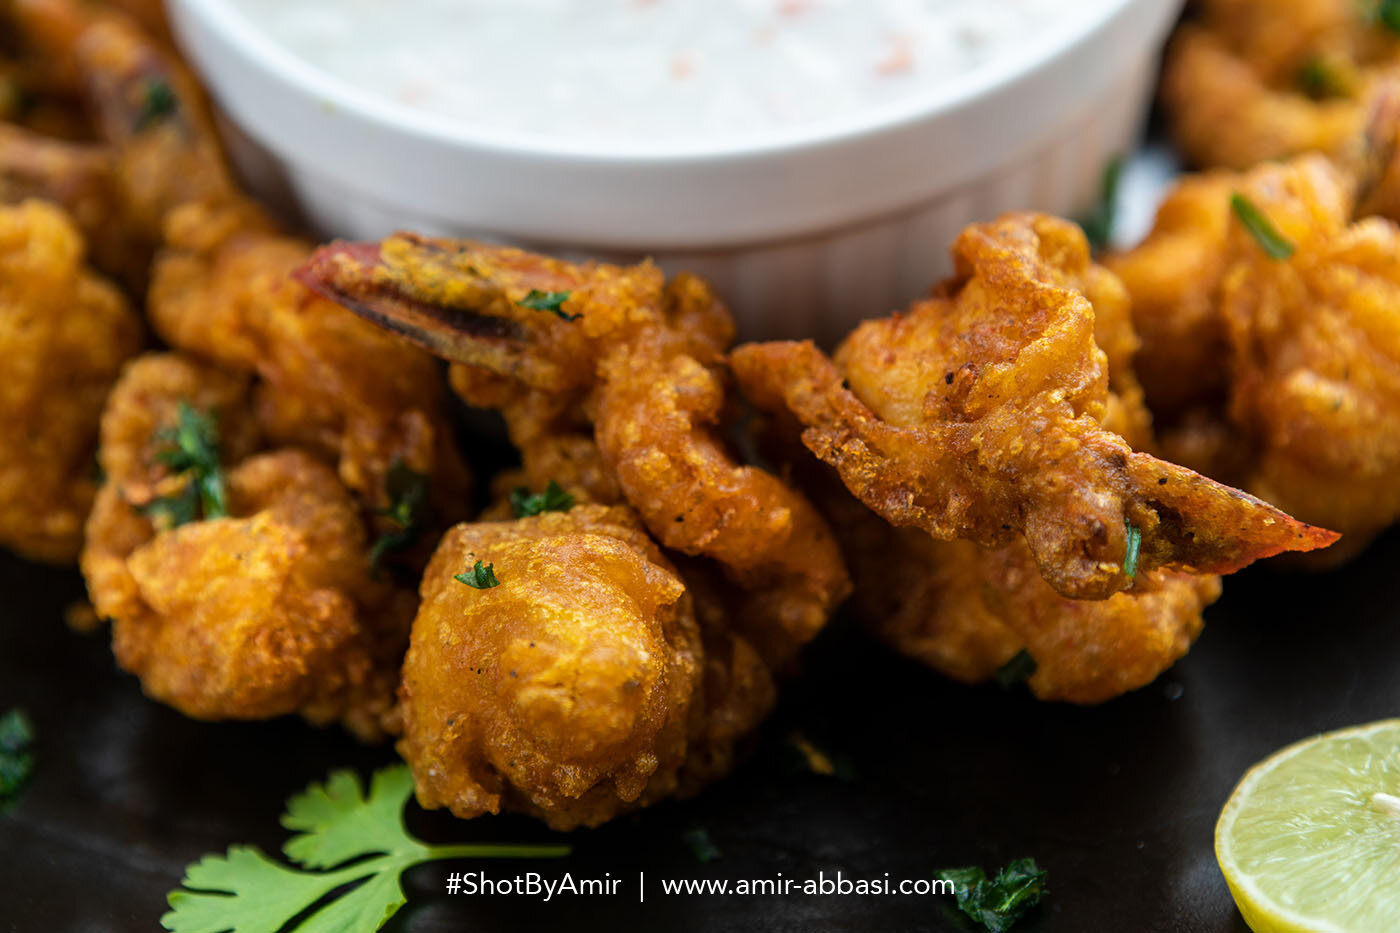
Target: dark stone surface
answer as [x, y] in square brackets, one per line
[1118, 802]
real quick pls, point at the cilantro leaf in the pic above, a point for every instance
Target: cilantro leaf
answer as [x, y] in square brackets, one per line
[158, 101]
[1018, 670]
[336, 822]
[407, 490]
[1098, 225]
[479, 577]
[553, 302]
[246, 891]
[1275, 244]
[366, 907]
[997, 904]
[554, 499]
[16, 759]
[1130, 555]
[191, 448]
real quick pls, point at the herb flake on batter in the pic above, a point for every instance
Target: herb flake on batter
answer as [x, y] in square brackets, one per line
[480, 577]
[553, 302]
[526, 504]
[191, 448]
[158, 101]
[407, 490]
[1130, 555]
[1275, 244]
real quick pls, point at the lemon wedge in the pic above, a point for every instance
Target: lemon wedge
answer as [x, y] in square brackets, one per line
[1310, 839]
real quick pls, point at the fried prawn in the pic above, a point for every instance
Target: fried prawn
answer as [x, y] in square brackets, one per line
[980, 414]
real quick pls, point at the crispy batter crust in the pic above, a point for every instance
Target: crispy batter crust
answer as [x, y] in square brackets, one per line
[64, 333]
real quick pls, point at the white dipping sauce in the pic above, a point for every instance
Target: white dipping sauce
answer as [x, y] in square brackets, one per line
[651, 69]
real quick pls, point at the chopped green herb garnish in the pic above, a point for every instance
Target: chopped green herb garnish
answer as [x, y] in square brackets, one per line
[16, 759]
[1130, 554]
[479, 577]
[553, 302]
[1261, 228]
[1388, 14]
[554, 499]
[191, 448]
[1016, 671]
[1098, 226]
[1319, 80]
[997, 904]
[158, 101]
[697, 838]
[407, 490]
[335, 823]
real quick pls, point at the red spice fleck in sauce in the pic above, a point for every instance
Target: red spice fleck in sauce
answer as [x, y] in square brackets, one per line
[900, 60]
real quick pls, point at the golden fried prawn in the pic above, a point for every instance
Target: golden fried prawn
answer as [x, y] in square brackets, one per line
[1305, 409]
[569, 688]
[1254, 80]
[980, 413]
[976, 614]
[639, 359]
[249, 617]
[267, 611]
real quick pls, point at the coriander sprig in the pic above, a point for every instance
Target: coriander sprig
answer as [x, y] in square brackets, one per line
[246, 891]
[191, 448]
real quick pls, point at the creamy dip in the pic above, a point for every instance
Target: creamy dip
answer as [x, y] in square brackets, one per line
[651, 69]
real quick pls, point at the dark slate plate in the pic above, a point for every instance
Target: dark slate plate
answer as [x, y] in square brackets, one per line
[1118, 802]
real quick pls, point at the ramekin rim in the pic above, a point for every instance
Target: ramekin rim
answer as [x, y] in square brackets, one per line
[916, 108]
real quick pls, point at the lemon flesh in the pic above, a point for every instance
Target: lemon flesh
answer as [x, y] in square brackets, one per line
[1310, 839]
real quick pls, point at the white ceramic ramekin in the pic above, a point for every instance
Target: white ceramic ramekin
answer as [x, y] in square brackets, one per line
[804, 231]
